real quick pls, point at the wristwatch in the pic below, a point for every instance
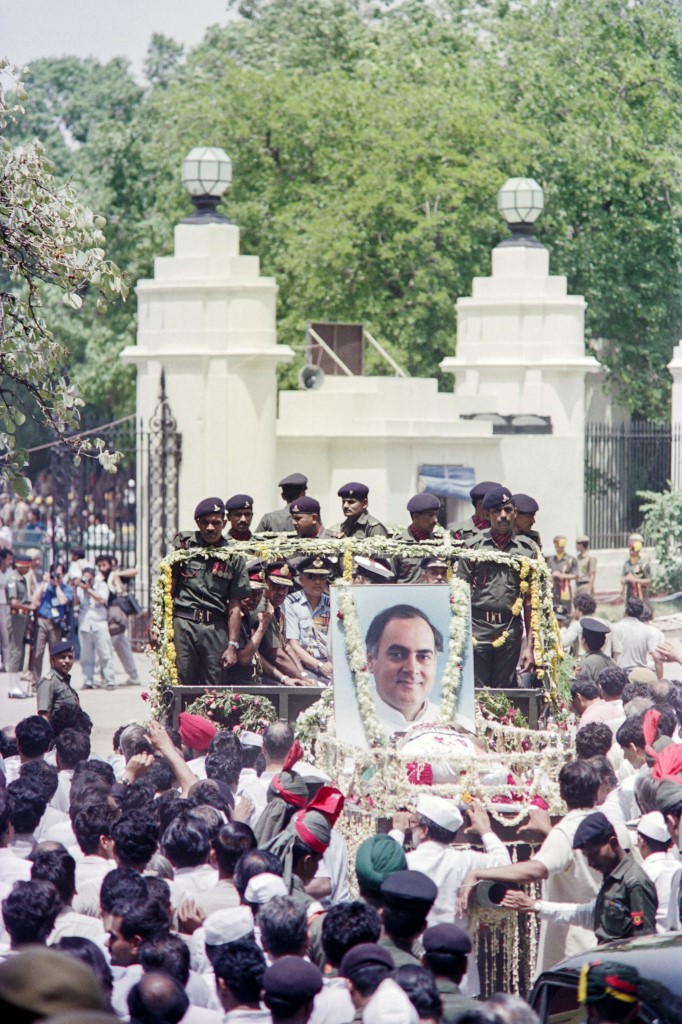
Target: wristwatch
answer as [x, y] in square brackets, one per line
[233, 643]
[537, 906]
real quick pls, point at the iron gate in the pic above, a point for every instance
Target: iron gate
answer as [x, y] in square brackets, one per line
[619, 462]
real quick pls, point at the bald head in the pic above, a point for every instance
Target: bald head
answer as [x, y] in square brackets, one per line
[157, 997]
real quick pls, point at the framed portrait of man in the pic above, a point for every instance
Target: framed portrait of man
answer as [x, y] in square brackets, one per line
[396, 657]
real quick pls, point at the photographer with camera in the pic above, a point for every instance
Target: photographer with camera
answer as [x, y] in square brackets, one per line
[121, 605]
[91, 600]
[51, 605]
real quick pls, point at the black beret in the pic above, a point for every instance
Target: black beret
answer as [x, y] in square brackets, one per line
[292, 980]
[595, 828]
[294, 480]
[423, 502]
[590, 625]
[446, 938]
[409, 889]
[209, 505]
[479, 491]
[305, 504]
[363, 955]
[353, 490]
[524, 504]
[316, 565]
[239, 501]
[496, 498]
[61, 647]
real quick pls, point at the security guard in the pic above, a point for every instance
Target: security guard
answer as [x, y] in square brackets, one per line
[609, 990]
[279, 521]
[423, 509]
[206, 598]
[20, 611]
[479, 520]
[239, 509]
[594, 636]
[305, 515]
[434, 569]
[526, 508]
[494, 590]
[55, 689]
[358, 522]
[586, 566]
[407, 897]
[636, 574]
[563, 569]
[446, 947]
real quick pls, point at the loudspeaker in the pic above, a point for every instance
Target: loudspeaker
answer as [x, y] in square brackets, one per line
[311, 378]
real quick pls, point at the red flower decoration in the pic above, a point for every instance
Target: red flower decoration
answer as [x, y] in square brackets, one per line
[144, 695]
[419, 776]
[339, 615]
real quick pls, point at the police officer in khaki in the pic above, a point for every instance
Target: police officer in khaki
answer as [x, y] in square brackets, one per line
[494, 589]
[357, 522]
[586, 566]
[207, 592]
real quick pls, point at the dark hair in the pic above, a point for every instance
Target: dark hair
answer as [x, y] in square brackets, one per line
[92, 821]
[42, 775]
[605, 769]
[277, 740]
[436, 832]
[241, 965]
[252, 863]
[584, 603]
[211, 817]
[420, 986]
[161, 774]
[89, 953]
[283, 924]
[667, 722]
[6, 803]
[631, 731]
[232, 841]
[168, 954]
[138, 796]
[143, 919]
[157, 997]
[212, 793]
[346, 925]
[224, 766]
[594, 738]
[167, 806]
[96, 769]
[367, 978]
[403, 924]
[116, 739]
[30, 911]
[185, 842]
[158, 889]
[28, 805]
[583, 686]
[612, 681]
[397, 611]
[447, 965]
[70, 716]
[578, 784]
[225, 742]
[136, 837]
[34, 736]
[634, 607]
[632, 690]
[120, 887]
[58, 867]
[8, 743]
[72, 747]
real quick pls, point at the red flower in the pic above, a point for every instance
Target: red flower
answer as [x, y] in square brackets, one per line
[339, 615]
[144, 695]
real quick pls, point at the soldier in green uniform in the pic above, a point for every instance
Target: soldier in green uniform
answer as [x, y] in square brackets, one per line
[594, 638]
[423, 509]
[586, 567]
[358, 522]
[55, 689]
[20, 611]
[525, 510]
[563, 569]
[479, 520]
[407, 897]
[494, 590]
[446, 947]
[305, 515]
[636, 575]
[206, 598]
[239, 510]
[279, 521]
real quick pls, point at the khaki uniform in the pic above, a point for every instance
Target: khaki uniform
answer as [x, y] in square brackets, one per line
[586, 566]
[276, 522]
[626, 904]
[465, 531]
[363, 525]
[17, 590]
[494, 589]
[55, 690]
[409, 570]
[643, 571]
[561, 589]
[455, 1004]
[594, 664]
[402, 954]
[204, 586]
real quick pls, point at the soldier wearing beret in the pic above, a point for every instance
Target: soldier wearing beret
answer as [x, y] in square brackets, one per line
[291, 487]
[357, 522]
[307, 614]
[364, 967]
[494, 590]
[55, 689]
[525, 510]
[239, 509]
[306, 517]
[206, 598]
[586, 567]
[289, 989]
[423, 509]
[563, 569]
[446, 948]
[479, 520]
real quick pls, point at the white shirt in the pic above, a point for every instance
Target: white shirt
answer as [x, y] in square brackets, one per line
[12, 868]
[637, 641]
[60, 800]
[198, 766]
[394, 721]
[334, 866]
[70, 923]
[191, 882]
[660, 867]
[90, 872]
[50, 818]
[333, 1004]
[92, 616]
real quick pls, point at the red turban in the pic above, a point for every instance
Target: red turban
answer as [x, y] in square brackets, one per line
[195, 732]
[328, 801]
[668, 763]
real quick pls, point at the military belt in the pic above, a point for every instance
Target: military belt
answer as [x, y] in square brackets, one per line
[203, 615]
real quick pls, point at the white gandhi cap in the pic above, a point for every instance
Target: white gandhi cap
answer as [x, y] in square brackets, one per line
[228, 925]
[653, 826]
[440, 811]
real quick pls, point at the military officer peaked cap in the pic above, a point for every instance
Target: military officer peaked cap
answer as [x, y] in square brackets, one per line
[372, 569]
[239, 501]
[424, 502]
[353, 490]
[434, 562]
[316, 565]
[60, 647]
[306, 505]
[279, 573]
[524, 504]
[595, 828]
[496, 498]
[409, 890]
[294, 480]
[480, 490]
[208, 506]
[594, 625]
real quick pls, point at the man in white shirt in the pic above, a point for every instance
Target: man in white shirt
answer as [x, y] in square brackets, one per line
[91, 598]
[638, 639]
[186, 845]
[659, 860]
[12, 868]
